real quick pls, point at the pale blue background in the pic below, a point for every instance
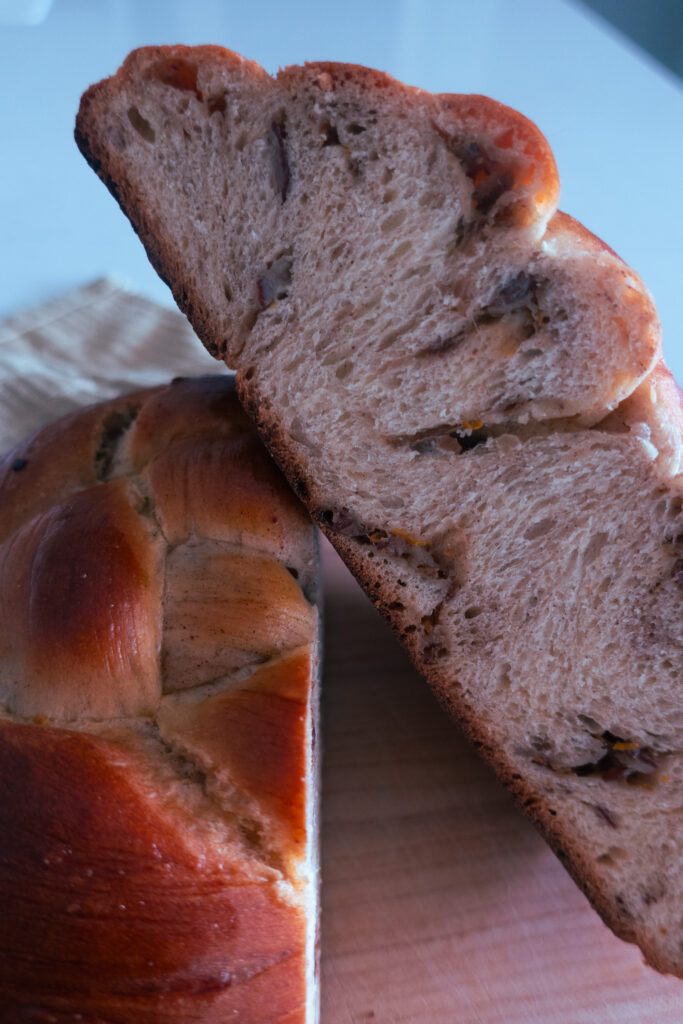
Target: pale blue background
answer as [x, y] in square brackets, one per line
[612, 115]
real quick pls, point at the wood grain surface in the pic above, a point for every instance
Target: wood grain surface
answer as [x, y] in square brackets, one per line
[441, 904]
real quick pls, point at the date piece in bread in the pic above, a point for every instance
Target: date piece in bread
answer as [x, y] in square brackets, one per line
[158, 664]
[464, 386]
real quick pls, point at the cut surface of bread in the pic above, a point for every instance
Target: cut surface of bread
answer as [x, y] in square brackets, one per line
[465, 387]
[158, 666]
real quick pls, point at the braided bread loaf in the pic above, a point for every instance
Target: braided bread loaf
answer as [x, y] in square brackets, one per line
[157, 683]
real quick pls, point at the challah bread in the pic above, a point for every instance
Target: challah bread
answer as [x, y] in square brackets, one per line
[158, 663]
[465, 388]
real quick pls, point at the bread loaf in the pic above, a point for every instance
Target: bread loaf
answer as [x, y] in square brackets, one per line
[465, 387]
[158, 667]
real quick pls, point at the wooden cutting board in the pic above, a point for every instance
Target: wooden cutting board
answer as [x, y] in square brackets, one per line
[441, 905]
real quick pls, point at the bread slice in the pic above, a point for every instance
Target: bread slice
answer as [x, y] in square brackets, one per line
[158, 666]
[465, 387]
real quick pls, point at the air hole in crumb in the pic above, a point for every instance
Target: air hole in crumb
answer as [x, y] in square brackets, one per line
[391, 501]
[241, 141]
[250, 319]
[329, 135]
[590, 724]
[610, 857]
[179, 73]
[431, 621]
[141, 125]
[539, 529]
[279, 158]
[216, 104]
[605, 815]
[468, 441]
[227, 291]
[393, 221]
[432, 652]
[274, 284]
[401, 249]
[356, 129]
[471, 613]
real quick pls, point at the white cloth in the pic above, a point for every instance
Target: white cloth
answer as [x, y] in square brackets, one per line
[88, 345]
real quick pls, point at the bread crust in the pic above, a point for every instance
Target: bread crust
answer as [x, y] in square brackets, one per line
[59, 460]
[156, 846]
[81, 603]
[110, 903]
[657, 404]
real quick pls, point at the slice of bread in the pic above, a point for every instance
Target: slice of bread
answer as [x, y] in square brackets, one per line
[465, 388]
[158, 666]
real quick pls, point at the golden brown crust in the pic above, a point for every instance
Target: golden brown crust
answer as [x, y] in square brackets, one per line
[187, 410]
[244, 503]
[225, 610]
[80, 609]
[179, 65]
[59, 459]
[255, 734]
[154, 834]
[139, 920]
[507, 134]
